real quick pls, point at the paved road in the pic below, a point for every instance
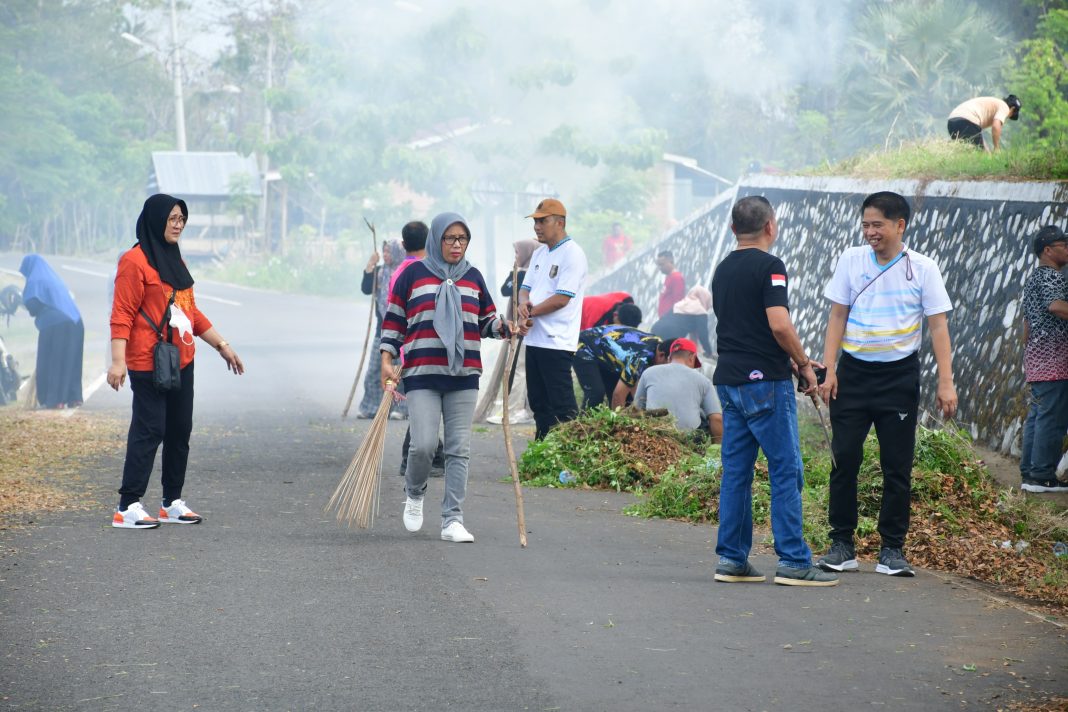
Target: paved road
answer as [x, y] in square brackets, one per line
[270, 605]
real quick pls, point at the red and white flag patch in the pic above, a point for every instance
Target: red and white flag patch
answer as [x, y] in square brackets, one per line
[778, 280]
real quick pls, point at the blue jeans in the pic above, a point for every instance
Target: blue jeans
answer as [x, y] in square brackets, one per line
[426, 410]
[761, 415]
[1044, 429]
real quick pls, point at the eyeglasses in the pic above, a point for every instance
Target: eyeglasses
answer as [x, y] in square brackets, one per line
[456, 240]
[176, 220]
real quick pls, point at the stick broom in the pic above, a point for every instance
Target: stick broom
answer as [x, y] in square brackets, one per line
[356, 496]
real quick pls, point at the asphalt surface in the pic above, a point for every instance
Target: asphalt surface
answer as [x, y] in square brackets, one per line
[271, 605]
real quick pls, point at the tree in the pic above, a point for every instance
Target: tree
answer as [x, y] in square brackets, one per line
[80, 105]
[1039, 76]
[913, 61]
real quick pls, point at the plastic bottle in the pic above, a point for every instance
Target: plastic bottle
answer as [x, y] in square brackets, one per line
[1060, 549]
[566, 477]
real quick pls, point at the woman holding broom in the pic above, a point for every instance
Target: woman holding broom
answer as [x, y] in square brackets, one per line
[439, 310]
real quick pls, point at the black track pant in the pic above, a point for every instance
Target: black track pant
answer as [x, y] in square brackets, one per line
[550, 389]
[598, 381]
[887, 396]
[157, 418]
[964, 130]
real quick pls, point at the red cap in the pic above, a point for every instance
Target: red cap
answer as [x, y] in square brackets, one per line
[685, 345]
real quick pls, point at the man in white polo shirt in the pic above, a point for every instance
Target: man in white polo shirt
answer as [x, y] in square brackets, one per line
[551, 296]
[879, 295]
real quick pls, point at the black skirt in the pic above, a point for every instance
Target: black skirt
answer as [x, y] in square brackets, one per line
[59, 364]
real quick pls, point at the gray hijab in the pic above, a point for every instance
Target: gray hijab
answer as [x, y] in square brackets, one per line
[448, 309]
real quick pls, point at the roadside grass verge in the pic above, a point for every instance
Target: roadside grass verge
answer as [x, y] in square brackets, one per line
[42, 456]
[960, 518]
[293, 274]
[942, 159]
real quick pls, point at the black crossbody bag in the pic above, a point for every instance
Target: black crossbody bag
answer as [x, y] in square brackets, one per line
[166, 361]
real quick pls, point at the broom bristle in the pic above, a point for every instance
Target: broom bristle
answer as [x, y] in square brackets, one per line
[356, 496]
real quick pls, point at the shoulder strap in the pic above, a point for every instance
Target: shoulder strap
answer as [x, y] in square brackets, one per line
[159, 329]
[904, 256]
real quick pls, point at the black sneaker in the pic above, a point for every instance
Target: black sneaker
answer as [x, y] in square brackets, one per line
[840, 557]
[738, 573]
[1050, 485]
[892, 563]
[812, 576]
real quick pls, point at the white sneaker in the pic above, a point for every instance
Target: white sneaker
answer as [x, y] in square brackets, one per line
[134, 517]
[456, 532]
[413, 514]
[178, 513]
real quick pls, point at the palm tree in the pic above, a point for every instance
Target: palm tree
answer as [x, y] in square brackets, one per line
[912, 62]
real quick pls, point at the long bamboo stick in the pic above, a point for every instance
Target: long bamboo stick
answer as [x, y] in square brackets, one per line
[370, 321]
[506, 420]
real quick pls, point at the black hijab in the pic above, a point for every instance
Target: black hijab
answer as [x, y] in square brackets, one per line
[164, 257]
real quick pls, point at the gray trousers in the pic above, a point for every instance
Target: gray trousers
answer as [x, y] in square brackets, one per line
[426, 410]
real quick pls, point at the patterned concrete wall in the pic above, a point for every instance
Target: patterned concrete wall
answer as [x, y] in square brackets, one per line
[979, 233]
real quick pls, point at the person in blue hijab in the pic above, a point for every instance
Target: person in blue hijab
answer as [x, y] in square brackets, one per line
[60, 334]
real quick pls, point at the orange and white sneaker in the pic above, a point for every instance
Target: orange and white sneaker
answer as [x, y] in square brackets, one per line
[134, 517]
[178, 513]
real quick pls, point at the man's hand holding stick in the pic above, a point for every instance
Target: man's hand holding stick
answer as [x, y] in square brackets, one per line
[813, 389]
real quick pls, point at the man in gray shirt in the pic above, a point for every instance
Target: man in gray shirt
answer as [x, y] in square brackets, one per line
[682, 389]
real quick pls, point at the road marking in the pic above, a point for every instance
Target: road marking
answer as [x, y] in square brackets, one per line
[90, 272]
[206, 297]
[89, 391]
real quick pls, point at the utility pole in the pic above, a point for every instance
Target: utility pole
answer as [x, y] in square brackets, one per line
[265, 161]
[179, 101]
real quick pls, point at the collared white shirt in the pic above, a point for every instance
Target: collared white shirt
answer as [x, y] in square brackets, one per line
[560, 270]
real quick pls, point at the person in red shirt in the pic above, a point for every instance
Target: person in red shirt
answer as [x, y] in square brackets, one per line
[674, 284]
[615, 245]
[153, 285]
[599, 309]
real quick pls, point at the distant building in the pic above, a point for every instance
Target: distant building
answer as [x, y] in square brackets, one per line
[222, 190]
[682, 188]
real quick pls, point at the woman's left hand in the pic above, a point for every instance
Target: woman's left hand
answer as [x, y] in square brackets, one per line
[233, 361]
[116, 375]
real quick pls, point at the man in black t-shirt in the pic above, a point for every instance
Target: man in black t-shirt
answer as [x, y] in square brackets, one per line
[756, 342]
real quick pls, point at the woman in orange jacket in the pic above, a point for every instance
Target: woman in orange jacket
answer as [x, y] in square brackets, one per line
[153, 289]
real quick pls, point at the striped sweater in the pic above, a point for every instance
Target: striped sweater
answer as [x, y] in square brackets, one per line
[409, 323]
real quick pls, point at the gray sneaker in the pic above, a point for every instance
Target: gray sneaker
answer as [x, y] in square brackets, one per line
[840, 557]
[735, 573]
[812, 576]
[892, 562]
[1050, 485]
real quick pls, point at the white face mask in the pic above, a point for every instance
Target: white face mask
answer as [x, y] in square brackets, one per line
[181, 322]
